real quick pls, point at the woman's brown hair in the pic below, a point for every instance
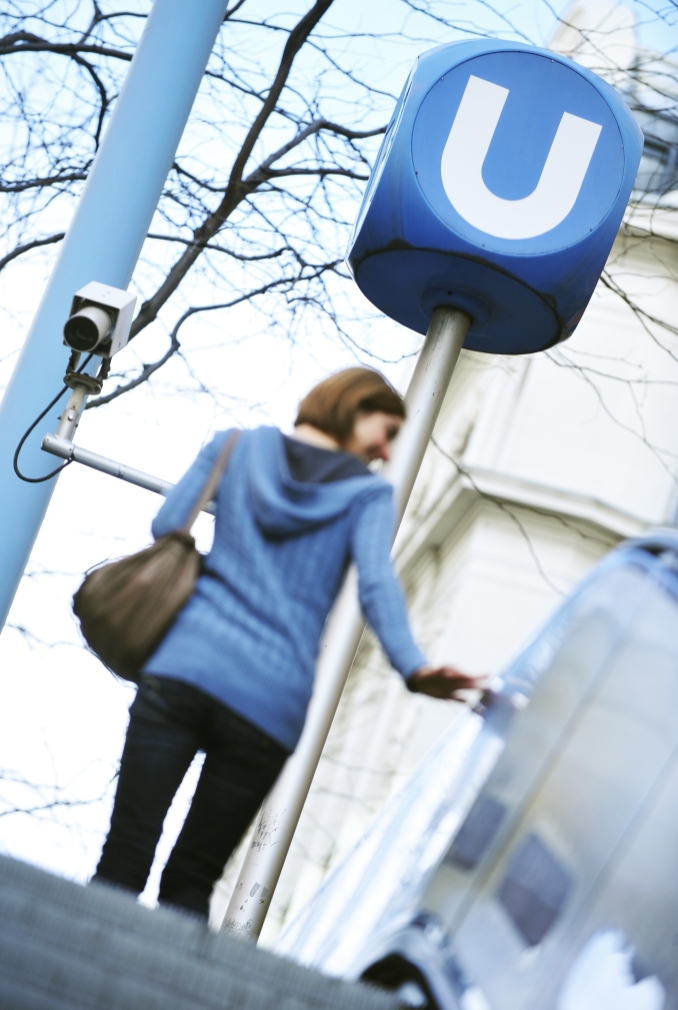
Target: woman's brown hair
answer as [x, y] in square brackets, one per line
[333, 404]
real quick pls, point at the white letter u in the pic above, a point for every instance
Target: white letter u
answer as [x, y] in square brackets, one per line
[465, 152]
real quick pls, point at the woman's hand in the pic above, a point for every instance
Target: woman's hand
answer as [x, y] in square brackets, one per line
[443, 682]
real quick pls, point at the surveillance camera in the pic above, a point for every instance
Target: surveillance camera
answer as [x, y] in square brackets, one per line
[100, 319]
[88, 328]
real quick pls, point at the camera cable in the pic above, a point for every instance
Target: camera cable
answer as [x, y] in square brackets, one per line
[48, 476]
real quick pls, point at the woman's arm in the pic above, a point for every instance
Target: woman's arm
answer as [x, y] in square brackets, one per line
[183, 496]
[381, 595]
[383, 603]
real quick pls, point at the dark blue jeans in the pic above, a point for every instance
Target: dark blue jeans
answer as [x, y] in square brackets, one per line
[169, 723]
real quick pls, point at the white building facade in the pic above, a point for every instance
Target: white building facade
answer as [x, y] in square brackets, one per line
[539, 465]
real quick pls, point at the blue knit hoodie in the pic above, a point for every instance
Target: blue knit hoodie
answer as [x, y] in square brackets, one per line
[249, 636]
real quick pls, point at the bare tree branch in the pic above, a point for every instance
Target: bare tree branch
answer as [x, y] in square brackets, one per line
[236, 191]
[21, 249]
[34, 44]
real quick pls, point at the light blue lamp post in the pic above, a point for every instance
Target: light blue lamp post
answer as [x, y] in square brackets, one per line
[102, 244]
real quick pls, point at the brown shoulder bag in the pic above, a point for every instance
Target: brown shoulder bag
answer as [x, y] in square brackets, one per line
[126, 607]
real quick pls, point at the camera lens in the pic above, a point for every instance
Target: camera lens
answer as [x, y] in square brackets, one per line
[87, 328]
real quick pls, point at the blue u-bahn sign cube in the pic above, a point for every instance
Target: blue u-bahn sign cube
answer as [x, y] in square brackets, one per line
[499, 188]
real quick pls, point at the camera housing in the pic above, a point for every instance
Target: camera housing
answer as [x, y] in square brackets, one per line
[100, 319]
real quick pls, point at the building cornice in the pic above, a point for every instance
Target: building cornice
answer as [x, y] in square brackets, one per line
[475, 484]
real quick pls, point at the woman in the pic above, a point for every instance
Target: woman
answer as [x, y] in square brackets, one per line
[234, 675]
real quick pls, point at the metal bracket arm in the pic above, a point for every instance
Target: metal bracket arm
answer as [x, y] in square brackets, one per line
[68, 450]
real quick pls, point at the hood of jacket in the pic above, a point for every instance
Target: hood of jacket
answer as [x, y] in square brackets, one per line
[285, 507]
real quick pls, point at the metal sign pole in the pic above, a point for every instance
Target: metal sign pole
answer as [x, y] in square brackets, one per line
[251, 898]
[432, 231]
[102, 244]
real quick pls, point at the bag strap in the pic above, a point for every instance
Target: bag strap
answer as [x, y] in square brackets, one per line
[213, 480]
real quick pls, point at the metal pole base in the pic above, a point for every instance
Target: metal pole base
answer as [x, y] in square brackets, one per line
[254, 889]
